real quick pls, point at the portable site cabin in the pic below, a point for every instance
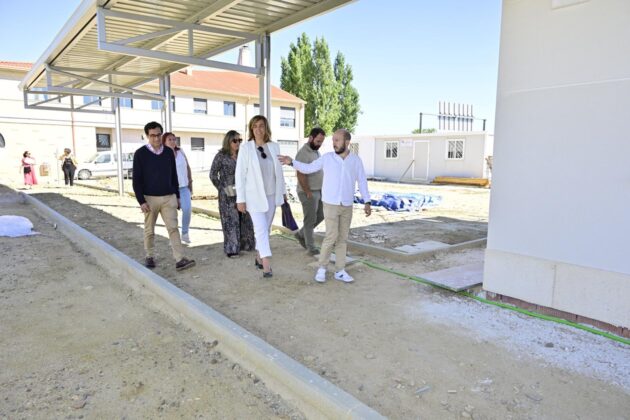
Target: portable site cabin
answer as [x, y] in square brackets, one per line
[419, 158]
[422, 157]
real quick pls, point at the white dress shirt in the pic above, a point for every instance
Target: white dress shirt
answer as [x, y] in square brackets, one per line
[340, 177]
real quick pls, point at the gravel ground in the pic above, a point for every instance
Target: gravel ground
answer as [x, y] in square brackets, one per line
[404, 349]
[76, 343]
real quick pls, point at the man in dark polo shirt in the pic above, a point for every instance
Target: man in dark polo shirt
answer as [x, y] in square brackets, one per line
[309, 191]
[157, 190]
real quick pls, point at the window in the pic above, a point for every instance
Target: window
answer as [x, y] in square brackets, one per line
[287, 117]
[354, 148]
[197, 143]
[455, 149]
[391, 150]
[38, 97]
[178, 140]
[2, 143]
[103, 142]
[105, 158]
[200, 106]
[157, 105]
[229, 109]
[93, 100]
[126, 102]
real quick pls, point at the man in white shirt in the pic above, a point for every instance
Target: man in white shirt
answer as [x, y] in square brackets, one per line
[342, 171]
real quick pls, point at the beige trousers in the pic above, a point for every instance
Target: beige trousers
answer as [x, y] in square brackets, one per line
[337, 219]
[167, 207]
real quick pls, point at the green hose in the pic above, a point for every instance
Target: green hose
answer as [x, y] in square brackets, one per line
[491, 302]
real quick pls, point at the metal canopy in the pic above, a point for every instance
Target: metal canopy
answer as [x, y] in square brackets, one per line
[110, 48]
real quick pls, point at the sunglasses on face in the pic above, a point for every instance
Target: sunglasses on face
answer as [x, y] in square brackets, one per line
[237, 141]
[262, 152]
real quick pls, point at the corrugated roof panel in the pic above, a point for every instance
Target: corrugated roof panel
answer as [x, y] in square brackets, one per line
[76, 46]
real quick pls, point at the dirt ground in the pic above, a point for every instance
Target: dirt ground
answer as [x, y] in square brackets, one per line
[461, 216]
[403, 348]
[75, 343]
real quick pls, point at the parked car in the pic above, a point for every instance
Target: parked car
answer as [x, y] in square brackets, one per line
[105, 164]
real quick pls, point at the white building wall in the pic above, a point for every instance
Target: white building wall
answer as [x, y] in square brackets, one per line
[46, 133]
[558, 232]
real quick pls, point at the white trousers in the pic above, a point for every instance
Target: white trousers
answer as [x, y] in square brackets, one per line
[262, 227]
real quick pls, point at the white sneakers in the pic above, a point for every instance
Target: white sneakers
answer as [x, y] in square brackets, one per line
[185, 238]
[320, 276]
[343, 276]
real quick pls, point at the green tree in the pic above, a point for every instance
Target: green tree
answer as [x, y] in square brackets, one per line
[297, 68]
[308, 73]
[348, 95]
[324, 109]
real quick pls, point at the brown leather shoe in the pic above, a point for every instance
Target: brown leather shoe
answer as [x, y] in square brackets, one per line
[149, 262]
[184, 263]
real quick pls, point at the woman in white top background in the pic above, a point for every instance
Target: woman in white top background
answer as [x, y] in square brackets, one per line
[260, 186]
[184, 177]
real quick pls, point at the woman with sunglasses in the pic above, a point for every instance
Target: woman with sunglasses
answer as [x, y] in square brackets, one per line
[238, 231]
[260, 185]
[184, 178]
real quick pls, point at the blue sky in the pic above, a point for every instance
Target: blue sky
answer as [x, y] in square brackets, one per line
[406, 54]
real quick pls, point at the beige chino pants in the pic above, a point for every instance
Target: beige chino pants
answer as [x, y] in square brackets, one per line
[337, 219]
[166, 206]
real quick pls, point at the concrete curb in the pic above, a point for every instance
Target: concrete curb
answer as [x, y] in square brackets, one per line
[407, 256]
[315, 396]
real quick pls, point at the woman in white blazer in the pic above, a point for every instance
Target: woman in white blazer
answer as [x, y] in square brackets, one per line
[260, 186]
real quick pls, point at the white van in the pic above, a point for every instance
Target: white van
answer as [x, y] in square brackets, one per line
[105, 164]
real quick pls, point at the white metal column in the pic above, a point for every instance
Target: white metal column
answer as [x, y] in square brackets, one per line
[121, 183]
[168, 121]
[163, 109]
[264, 79]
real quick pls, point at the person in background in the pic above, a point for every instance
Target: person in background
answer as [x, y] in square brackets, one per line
[238, 231]
[260, 186]
[342, 171]
[68, 166]
[157, 191]
[309, 190]
[27, 168]
[184, 177]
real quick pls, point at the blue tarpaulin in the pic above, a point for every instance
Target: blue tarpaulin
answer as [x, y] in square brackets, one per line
[402, 202]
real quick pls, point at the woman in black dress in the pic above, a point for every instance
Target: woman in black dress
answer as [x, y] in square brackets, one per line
[238, 231]
[68, 166]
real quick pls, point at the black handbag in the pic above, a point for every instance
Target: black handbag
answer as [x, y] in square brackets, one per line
[287, 217]
[27, 169]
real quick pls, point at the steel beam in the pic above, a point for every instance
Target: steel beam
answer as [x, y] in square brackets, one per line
[264, 79]
[121, 183]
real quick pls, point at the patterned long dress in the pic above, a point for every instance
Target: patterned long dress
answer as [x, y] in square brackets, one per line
[238, 230]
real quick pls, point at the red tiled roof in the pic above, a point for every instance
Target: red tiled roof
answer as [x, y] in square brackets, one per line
[15, 65]
[226, 82]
